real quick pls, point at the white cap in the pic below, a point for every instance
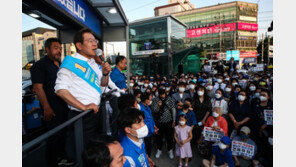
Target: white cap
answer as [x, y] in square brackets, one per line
[246, 130]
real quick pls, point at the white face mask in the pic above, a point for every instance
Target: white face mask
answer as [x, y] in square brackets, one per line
[215, 114]
[257, 94]
[222, 146]
[262, 98]
[146, 85]
[150, 102]
[168, 89]
[252, 88]
[228, 89]
[140, 83]
[217, 95]
[191, 86]
[182, 123]
[209, 87]
[234, 84]
[219, 80]
[270, 141]
[142, 132]
[155, 84]
[200, 93]
[226, 79]
[181, 89]
[131, 84]
[241, 97]
[156, 94]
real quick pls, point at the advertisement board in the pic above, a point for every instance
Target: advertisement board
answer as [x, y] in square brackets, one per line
[232, 53]
[198, 32]
[247, 18]
[247, 33]
[147, 52]
[247, 26]
[82, 12]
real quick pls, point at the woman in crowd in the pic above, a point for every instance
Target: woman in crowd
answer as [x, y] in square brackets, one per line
[218, 101]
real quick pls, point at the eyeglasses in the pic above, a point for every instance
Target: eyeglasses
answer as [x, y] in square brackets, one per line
[92, 40]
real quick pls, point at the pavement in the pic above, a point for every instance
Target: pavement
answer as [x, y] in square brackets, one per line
[165, 161]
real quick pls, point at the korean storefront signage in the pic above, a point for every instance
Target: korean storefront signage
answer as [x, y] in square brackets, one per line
[247, 18]
[247, 26]
[244, 54]
[82, 12]
[198, 32]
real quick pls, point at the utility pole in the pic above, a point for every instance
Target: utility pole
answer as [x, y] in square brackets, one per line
[262, 48]
[220, 31]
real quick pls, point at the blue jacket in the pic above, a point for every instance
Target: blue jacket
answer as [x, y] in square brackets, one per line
[224, 157]
[131, 150]
[148, 119]
[118, 78]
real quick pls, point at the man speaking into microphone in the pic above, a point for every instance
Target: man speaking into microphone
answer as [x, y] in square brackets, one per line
[79, 82]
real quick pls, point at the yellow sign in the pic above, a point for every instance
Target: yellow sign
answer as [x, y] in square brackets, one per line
[83, 69]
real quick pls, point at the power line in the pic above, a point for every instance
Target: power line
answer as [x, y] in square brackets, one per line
[139, 7]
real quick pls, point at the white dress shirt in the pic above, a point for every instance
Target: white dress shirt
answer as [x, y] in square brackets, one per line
[79, 88]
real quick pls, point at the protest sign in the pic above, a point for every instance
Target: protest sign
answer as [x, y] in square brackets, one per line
[242, 149]
[268, 117]
[212, 135]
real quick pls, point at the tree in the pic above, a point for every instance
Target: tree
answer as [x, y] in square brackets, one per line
[259, 50]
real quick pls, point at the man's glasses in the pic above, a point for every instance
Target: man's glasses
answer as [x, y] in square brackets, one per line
[92, 41]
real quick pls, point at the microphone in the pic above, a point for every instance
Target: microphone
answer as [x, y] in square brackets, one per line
[99, 53]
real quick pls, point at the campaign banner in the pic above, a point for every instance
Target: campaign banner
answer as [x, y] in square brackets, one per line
[247, 26]
[268, 117]
[247, 54]
[147, 52]
[212, 135]
[250, 60]
[259, 67]
[198, 32]
[242, 149]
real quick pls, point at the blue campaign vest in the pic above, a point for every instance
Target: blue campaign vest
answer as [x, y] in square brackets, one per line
[83, 70]
[137, 154]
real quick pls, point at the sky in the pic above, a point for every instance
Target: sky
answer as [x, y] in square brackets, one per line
[139, 9]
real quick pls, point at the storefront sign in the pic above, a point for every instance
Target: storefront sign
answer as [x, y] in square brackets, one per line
[147, 45]
[246, 54]
[246, 33]
[147, 52]
[212, 135]
[247, 26]
[198, 32]
[250, 60]
[247, 18]
[246, 38]
[82, 12]
[242, 149]
[270, 53]
[232, 53]
[268, 117]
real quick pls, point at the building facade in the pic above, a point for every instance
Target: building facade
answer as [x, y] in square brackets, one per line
[173, 7]
[223, 27]
[152, 42]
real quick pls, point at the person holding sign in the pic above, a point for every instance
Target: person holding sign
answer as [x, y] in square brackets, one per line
[246, 158]
[222, 155]
[216, 121]
[183, 136]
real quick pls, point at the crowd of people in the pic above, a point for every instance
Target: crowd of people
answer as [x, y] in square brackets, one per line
[221, 113]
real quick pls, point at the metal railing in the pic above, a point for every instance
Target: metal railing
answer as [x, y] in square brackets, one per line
[78, 131]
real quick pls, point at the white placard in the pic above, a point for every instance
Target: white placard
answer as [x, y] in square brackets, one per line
[268, 117]
[212, 135]
[242, 149]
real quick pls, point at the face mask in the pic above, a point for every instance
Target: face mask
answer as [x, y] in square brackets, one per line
[241, 97]
[194, 80]
[270, 141]
[155, 84]
[236, 92]
[234, 84]
[200, 93]
[131, 84]
[156, 94]
[146, 85]
[209, 87]
[252, 88]
[243, 136]
[228, 89]
[168, 89]
[181, 89]
[217, 95]
[215, 114]
[225, 74]
[191, 86]
[142, 132]
[219, 80]
[136, 77]
[222, 146]
[182, 123]
[140, 83]
[150, 103]
[262, 98]
[226, 79]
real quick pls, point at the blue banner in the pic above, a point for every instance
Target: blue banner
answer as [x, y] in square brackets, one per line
[232, 53]
[81, 12]
[250, 60]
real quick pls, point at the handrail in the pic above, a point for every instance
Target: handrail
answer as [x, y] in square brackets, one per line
[48, 134]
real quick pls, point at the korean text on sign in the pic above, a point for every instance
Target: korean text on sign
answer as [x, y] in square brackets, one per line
[268, 117]
[212, 135]
[242, 149]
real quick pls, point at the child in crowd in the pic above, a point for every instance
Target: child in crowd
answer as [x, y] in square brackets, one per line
[183, 135]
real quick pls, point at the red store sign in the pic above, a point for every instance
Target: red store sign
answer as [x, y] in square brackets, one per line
[243, 54]
[247, 26]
